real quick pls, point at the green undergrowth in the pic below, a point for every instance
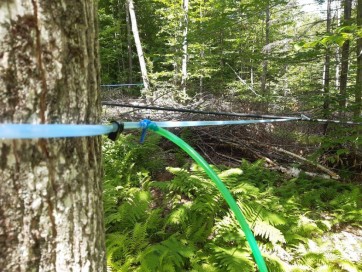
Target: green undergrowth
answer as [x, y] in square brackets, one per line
[183, 224]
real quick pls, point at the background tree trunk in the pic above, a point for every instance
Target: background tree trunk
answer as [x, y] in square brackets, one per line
[345, 57]
[185, 6]
[51, 215]
[264, 91]
[327, 63]
[358, 89]
[138, 45]
[129, 45]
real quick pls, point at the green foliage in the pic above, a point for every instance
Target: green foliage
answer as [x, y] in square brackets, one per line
[339, 37]
[168, 255]
[232, 259]
[184, 224]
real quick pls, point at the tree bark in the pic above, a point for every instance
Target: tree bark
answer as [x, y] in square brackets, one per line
[358, 89]
[137, 40]
[51, 215]
[345, 58]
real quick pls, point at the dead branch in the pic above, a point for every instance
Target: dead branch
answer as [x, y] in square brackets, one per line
[317, 165]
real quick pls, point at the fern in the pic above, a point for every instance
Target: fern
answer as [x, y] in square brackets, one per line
[133, 209]
[226, 230]
[267, 231]
[274, 264]
[178, 215]
[169, 255]
[185, 225]
[232, 259]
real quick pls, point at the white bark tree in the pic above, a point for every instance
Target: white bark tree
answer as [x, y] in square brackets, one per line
[326, 67]
[137, 41]
[129, 46]
[51, 215]
[185, 6]
[264, 75]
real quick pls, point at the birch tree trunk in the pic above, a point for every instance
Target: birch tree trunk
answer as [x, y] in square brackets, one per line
[265, 61]
[358, 89]
[51, 215]
[138, 46]
[326, 68]
[129, 46]
[185, 7]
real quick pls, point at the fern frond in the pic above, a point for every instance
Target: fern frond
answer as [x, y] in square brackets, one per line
[233, 259]
[178, 216]
[139, 239]
[208, 204]
[267, 231]
[228, 230]
[274, 264]
[313, 259]
[167, 254]
[245, 188]
[116, 250]
[199, 228]
[347, 266]
[154, 220]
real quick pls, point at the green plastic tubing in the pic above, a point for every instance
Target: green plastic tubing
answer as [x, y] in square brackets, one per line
[222, 188]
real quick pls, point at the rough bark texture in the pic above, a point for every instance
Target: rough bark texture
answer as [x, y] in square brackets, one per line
[51, 216]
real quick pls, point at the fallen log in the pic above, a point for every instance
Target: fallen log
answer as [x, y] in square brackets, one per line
[324, 169]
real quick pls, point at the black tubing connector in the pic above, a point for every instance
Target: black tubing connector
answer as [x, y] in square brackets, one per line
[115, 134]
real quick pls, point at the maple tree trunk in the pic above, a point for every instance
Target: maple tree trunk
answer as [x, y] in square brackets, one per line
[51, 215]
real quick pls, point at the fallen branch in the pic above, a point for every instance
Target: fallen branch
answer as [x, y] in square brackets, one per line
[317, 165]
[243, 81]
[292, 172]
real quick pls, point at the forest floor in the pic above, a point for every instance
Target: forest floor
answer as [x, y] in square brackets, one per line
[347, 240]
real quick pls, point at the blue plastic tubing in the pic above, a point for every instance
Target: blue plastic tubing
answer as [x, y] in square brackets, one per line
[33, 131]
[223, 190]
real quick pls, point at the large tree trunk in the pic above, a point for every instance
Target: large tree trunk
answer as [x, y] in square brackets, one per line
[345, 58]
[51, 215]
[138, 46]
[358, 89]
